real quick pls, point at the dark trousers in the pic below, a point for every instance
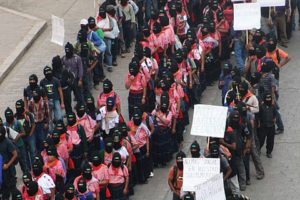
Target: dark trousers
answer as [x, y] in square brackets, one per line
[114, 49]
[9, 183]
[269, 133]
[98, 70]
[67, 99]
[127, 33]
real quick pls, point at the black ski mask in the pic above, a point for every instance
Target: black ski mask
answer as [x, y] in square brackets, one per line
[107, 86]
[48, 73]
[116, 160]
[133, 68]
[69, 50]
[71, 117]
[32, 188]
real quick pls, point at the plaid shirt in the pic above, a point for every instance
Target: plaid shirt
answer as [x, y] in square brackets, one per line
[40, 111]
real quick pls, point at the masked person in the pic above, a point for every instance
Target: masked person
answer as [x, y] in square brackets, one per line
[26, 178]
[27, 121]
[175, 176]
[118, 178]
[91, 182]
[136, 83]
[224, 80]
[40, 109]
[181, 21]
[82, 190]
[9, 156]
[195, 150]
[33, 192]
[16, 133]
[90, 106]
[108, 151]
[117, 147]
[73, 63]
[33, 84]
[61, 147]
[69, 193]
[17, 195]
[54, 93]
[108, 91]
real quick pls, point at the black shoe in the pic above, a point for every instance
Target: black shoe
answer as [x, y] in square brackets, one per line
[269, 155]
[115, 63]
[279, 131]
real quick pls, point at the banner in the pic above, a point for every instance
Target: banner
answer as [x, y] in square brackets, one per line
[246, 16]
[58, 30]
[271, 3]
[198, 170]
[212, 189]
[209, 120]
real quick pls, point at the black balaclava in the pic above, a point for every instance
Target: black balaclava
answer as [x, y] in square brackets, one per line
[70, 192]
[81, 185]
[188, 196]
[60, 127]
[48, 72]
[90, 103]
[133, 68]
[174, 66]
[87, 171]
[147, 52]
[272, 44]
[154, 15]
[255, 78]
[52, 151]
[9, 115]
[33, 81]
[230, 97]
[214, 5]
[146, 31]
[178, 6]
[117, 140]
[96, 159]
[32, 188]
[260, 51]
[179, 56]
[36, 95]
[242, 108]
[69, 50]
[164, 21]
[268, 99]
[92, 22]
[80, 110]
[243, 88]
[109, 146]
[156, 28]
[227, 68]
[267, 66]
[116, 160]
[214, 150]
[123, 129]
[195, 149]
[258, 36]
[37, 168]
[179, 159]
[205, 30]
[172, 9]
[165, 85]
[107, 86]
[164, 105]
[110, 103]
[138, 51]
[220, 15]
[71, 117]
[20, 107]
[191, 35]
[57, 65]
[235, 119]
[82, 36]
[2, 133]
[212, 27]
[102, 13]
[137, 118]
[56, 137]
[17, 195]
[26, 178]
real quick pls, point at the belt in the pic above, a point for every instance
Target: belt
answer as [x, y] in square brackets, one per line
[136, 91]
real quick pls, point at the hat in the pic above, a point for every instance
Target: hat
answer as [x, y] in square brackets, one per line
[110, 101]
[47, 70]
[91, 20]
[8, 112]
[110, 8]
[20, 103]
[83, 22]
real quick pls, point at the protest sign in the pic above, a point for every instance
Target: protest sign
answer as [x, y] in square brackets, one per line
[209, 120]
[212, 189]
[246, 16]
[271, 3]
[58, 30]
[198, 170]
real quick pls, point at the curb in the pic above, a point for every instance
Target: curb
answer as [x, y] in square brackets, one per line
[22, 46]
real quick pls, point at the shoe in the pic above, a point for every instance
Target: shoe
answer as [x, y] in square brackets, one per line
[279, 131]
[151, 174]
[109, 69]
[269, 155]
[122, 55]
[260, 177]
[248, 182]
[115, 63]
[283, 45]
[242, 188]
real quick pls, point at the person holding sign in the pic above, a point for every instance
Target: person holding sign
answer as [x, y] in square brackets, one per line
[175, 177]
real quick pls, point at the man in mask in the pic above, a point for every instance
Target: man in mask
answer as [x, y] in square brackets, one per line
[82, 190]
[108, 91]
[175, 177]
[44, 180]
[118, 147]
[90, 106]
[39, 107]
[54, 93]
[27, 121]
[258, 37]
[69, 192]
[16, 133]
[181, 21]
[267, 117]
[118, 178]
[33, 84]
[136, 83]
[33, 192]
[225, 79]
[73, 63]
[91, 182]
[62, 149]
[195, 150]
[9, 156]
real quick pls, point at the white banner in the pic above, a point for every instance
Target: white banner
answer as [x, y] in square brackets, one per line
[209, 120]
[58, 30]
[198, 170]
[246, 16]
[271, 3]
[213, 189]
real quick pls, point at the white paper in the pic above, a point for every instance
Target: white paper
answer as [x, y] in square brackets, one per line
[246, 16]
[198, 170]
[209, 120]
[271, 3]
[58, 30]
[213, 189]
[12, 134]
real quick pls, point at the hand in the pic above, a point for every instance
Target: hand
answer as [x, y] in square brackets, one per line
[191, 86]
[62, 105]
[125, 191]
[221, 83]
[202, 69]
[5, 167]
[46, 126]
[147, 154]
[80, 83]
[131, 78]
[173, 130]
[143, 100]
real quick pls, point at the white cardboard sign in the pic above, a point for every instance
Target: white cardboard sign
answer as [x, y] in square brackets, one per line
[246, 16]
[212, 189]
[58, 30]
[198, 170]
[209, 120]
[271, 3]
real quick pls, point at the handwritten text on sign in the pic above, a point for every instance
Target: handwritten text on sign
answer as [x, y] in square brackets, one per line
[213, 189]
[198, 170]
[209, 120]
[246, 16]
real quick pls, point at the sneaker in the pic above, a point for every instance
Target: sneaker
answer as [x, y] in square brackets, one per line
[122, 55]
[269, 155]
[279, 131]
[109, 69]
[248, 182]
[242, 188]
[283, 45]
[260, 177]
[115, 63]
[151, 174]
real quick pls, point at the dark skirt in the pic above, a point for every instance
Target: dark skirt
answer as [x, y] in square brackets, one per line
[116, 192]
[162, 146]
[134, 99]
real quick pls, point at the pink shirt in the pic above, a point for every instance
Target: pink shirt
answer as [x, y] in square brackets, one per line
[160, 43]
[73, 134]
[151, 42]
[54, 168]
[92, 185]
[169, 34]
[138, 83]
[178, 76]
[64, 141]
[117, 175]
[167, 116]
[88, 125]
[181, 20]
[62, 151]
[101, 101]
[100, 172]
[141, 137]
[107, 158]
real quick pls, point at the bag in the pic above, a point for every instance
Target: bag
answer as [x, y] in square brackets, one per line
[87, 196]
[102, 46]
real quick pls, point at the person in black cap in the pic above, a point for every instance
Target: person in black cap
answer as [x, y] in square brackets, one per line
[225, 79]
[33, 191]
[90, 106]
[17, 195]
[70, 192]
[195, 150]
[188, 196]
[54, 93]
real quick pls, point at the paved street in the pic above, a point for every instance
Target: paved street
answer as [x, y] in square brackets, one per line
[282, 177]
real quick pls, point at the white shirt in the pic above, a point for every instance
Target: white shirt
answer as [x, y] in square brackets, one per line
[46, 183]
[107, 123]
